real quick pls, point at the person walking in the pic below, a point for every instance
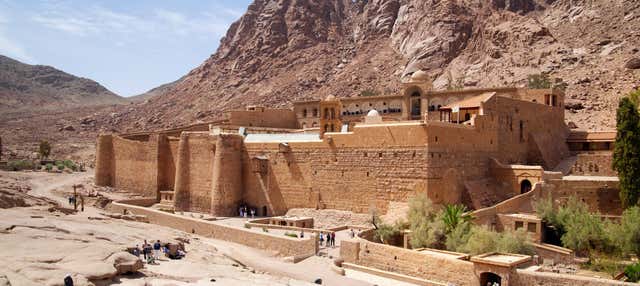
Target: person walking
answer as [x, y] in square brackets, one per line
[68, 281]
[145, 250]
[321, 238]
[156, 249]
[333, 239]
[253, 213]
[136, 251]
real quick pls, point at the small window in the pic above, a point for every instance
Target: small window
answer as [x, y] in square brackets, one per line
[532, 226]
[436, 138]
[379, 154]
[519, 225]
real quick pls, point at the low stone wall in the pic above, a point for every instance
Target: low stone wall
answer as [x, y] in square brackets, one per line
[144, 202]
[554, 253]
[532, 278]
[408, 262]
[441, 269]
[280, 245]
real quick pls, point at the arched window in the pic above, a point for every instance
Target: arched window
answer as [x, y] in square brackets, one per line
[467, 116]
[304, 113]
[332, 113]
[326, 113]
[315, 112]
[326, 128]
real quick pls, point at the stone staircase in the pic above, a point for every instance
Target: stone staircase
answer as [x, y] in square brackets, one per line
[483, 193]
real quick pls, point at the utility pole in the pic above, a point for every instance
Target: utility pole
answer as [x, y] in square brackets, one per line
[75, 197]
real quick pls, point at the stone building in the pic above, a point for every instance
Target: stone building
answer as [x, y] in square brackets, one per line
[478, 147]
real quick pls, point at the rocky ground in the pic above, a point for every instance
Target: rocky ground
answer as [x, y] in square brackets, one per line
[41, 243]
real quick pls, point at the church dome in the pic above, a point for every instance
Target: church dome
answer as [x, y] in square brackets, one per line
[373, 112]
[420, 75]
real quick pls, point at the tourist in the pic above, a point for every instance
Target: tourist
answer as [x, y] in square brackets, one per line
[68, 281]
[156, 249]
[302, 234]
[244, 211]
[70, 200]
[321, 238]
[352, 233]
[240, 211]
[253, 213]
[146, 250]
[333, 239]
[82, 203]
[136, 251]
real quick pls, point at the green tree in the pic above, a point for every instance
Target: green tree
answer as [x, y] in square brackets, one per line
[453, 215]
[539, 80]
[515, 242]
[626, 235]
[427, 229]
[626, 154]
[45, 149]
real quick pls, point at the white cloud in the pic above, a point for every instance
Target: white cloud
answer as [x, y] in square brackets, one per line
[10, 47]
[13, 49]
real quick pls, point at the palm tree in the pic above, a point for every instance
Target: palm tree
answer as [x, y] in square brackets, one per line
[454, 215]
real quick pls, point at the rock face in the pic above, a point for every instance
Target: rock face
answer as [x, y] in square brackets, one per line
[281, 51]
[28, 87]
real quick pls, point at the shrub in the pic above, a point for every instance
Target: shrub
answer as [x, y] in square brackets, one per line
[540, 80]
[385, 232]
[632, 272]
[264, 229]
[60, 167]
[515, 242]
[20, 165]
[247, 226]
[49, 167]
[69, 164]
[289, 234]
[606, 264]
[458, 237]
[427, 230]
[626, 234]
[481, 240]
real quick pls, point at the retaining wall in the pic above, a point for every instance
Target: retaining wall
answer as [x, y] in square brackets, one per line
[280, 245]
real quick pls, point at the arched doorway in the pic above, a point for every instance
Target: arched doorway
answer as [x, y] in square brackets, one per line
[416, 108]
[525, 186]
[490, 279]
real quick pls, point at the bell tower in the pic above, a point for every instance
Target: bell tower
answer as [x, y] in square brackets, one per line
[330, 110]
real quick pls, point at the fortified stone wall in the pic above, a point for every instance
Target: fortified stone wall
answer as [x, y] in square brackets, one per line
[593, 163]
[194, 172]
[344, 172]
[167, 160]
[134, 164]
[525, 137]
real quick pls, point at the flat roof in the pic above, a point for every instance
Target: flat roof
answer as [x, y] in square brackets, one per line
[591, 136]
[472, 102]
[522, 216]
[443, 253]
[501, 259]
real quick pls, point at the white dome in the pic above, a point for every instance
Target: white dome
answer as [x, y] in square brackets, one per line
[373, 112]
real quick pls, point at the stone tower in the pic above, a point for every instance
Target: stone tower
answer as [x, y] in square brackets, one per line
[330, 110]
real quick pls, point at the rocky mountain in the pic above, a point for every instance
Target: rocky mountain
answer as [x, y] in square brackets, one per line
[27, 88]
[280, 51]
[162, 89]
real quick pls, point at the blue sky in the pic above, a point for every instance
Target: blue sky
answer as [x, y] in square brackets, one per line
[129, 46]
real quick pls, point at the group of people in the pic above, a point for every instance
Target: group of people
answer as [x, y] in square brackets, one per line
[330, 239]
[243, 211]
[73, 201]
[150, 252]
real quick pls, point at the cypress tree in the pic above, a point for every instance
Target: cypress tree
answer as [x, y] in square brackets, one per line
[626, 154]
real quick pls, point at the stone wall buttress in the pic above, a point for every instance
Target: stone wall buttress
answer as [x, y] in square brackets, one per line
[104, 161]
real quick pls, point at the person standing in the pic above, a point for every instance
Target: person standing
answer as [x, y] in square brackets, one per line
[333, 239]
[68, 281]
[253, 213]
[156, 249]
[321, 238]
[145, 249]
[136, 251]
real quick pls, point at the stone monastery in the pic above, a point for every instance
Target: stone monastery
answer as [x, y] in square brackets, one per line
[477, 147]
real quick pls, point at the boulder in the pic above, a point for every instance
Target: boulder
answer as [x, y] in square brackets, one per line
[633, 64]
[125, 262]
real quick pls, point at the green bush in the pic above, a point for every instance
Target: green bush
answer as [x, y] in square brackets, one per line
[632, 272]
[289, 234]
[60, 167]
[481, 240]
[20, 165]
[626, 234]
[49, 167]
[70, 165]
[458, 237]
[427, 228]
[515, 242]
[369, 92]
